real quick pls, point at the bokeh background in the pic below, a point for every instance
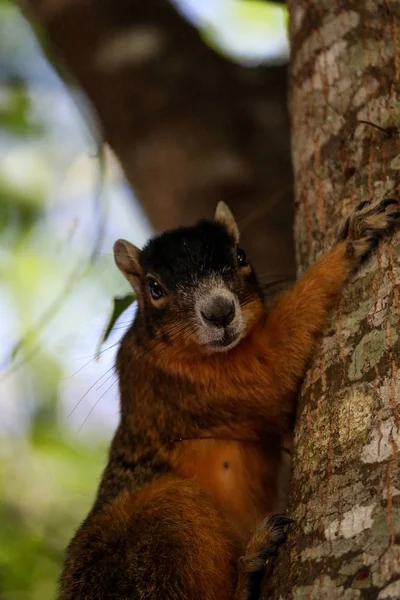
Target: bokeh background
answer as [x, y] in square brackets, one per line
[63, 202]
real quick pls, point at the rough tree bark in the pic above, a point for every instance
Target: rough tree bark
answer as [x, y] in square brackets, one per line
[189, 126]
[345, 72]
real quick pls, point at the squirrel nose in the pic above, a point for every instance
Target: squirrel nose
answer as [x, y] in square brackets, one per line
[219, 312]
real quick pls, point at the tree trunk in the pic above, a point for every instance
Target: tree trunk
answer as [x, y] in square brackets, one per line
[189, 127]
[345, 495]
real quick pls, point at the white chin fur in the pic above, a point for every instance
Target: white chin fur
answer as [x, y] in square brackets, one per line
[222, 348]
[211, 339]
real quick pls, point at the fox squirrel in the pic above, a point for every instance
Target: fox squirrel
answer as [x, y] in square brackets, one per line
[208, 380]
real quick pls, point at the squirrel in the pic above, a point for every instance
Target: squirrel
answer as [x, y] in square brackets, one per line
[208, 380]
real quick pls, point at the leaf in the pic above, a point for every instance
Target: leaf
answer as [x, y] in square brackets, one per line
[120, 306]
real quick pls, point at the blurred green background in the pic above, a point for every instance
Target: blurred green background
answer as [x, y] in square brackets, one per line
[63, 201]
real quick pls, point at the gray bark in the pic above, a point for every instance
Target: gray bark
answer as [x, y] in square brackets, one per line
[345, 493]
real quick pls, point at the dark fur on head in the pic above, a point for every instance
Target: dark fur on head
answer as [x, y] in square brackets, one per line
[194, 285]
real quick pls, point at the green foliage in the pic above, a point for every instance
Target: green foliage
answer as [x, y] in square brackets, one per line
[43, 497]
[15, 111]
[48, 476]
[19, 210]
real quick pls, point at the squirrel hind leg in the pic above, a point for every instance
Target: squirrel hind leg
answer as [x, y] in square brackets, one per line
[267, 537]
[165, 542]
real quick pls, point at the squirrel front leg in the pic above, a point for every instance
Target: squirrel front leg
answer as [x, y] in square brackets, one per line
[288, 337]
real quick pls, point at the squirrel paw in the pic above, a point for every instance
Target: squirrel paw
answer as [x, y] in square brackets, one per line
[264, 543]
[367, 224]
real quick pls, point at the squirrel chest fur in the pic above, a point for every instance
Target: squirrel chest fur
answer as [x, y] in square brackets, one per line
[207, 380]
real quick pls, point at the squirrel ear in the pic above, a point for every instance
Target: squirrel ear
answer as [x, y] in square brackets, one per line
[126, 257]
[224, 216]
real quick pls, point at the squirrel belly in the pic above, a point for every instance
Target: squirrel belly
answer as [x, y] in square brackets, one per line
[241, 476]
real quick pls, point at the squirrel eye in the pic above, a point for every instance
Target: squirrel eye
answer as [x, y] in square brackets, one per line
[155, 289]
[241, 257]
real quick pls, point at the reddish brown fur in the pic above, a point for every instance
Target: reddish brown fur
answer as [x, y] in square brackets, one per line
[235, 474]
[210, 574]
[173, 517]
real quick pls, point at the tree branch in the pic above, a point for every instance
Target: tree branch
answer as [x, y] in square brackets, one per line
[189, 127]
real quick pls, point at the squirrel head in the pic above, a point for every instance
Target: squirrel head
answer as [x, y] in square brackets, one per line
[195, 286]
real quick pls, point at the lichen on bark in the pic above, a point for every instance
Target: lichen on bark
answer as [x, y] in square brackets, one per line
[345, 496]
